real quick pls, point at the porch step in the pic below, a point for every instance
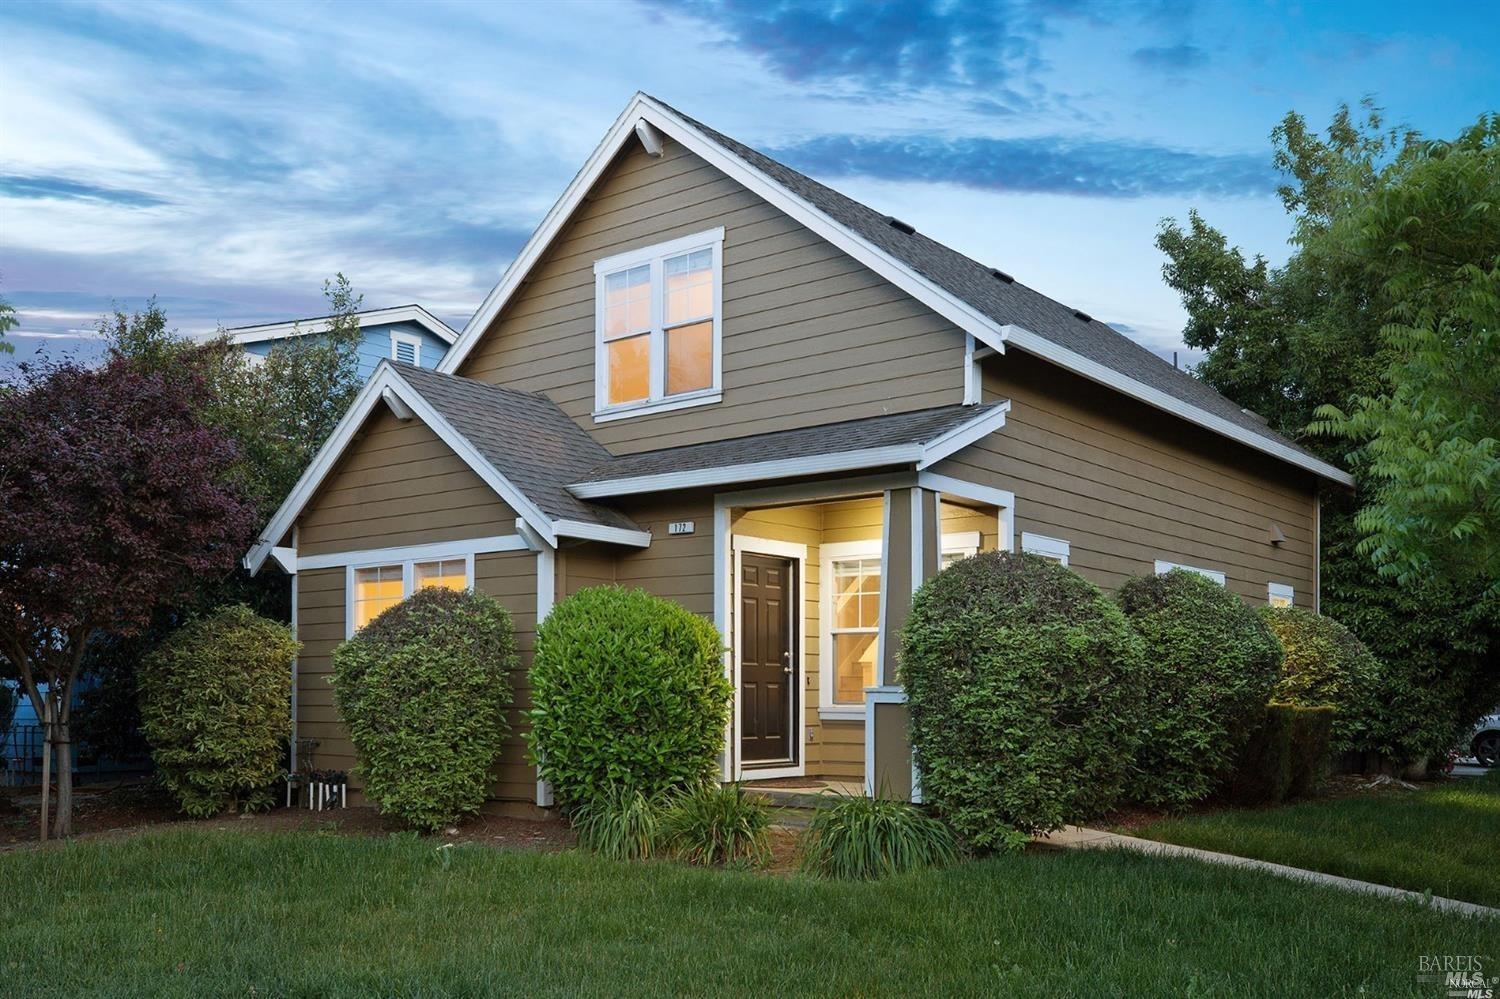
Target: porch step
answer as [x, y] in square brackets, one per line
[791, 818]
[789, 799]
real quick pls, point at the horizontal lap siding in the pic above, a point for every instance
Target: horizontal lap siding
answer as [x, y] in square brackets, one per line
[679, 567]
[1125, 485]
[510, 577]
[808, 331]
[399, 484]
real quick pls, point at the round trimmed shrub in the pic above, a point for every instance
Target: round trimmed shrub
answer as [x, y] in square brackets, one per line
[1211, 664]
[628, 690]
[215, 702]
[423, 690]
[1025, 686]
[1324, 664]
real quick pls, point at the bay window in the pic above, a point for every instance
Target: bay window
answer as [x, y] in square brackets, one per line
[657, 327]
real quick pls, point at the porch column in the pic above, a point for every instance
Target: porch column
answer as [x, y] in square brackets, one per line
[910, 554]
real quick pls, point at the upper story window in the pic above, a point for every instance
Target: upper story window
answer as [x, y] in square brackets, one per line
[406, 348]
[657, 327]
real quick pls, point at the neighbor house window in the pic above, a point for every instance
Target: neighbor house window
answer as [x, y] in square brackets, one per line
[374, 588]
[851, 581]
[1162, 568]
[657, 327]
[406, 348]
[1279, 595]
[1038, 544]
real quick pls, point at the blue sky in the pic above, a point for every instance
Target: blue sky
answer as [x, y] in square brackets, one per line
[229, 157]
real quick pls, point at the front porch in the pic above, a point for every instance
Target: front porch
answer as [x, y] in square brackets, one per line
[811, 580]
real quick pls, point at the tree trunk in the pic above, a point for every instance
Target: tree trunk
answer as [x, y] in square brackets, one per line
[62, 825]
[46, 761]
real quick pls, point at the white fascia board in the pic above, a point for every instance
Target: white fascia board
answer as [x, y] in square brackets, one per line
[962, 436]
[385, 378]
[601, 532]
[817, 464]
[1024, 339]
[419, 553]
[373, 317]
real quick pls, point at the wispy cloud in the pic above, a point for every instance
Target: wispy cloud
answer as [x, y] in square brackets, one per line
[1052, 165]
[61, 187]
[1170, 58]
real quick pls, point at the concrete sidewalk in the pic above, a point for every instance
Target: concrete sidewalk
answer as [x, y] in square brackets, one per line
[1081, 838]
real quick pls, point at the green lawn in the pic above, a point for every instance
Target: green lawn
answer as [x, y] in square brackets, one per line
[1445, 840]
[205, 912]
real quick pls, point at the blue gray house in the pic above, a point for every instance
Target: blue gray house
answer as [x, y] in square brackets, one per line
[406, 333]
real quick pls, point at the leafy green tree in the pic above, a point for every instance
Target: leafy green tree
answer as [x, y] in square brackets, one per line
[8, 322]
[1383, 299]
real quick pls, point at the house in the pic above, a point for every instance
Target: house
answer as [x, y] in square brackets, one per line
[406, 333]
[711, 377]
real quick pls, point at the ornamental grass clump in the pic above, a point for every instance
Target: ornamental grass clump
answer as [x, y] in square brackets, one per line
[215, 707]
[862, 839]
[1210, 666]
[718, 824]
[628, 691]
[424, 690]
[1026, 692]
[620, 823]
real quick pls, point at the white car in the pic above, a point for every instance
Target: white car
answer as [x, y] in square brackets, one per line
[1484, 742]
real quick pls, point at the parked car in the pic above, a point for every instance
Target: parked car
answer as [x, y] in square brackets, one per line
[1484, 742]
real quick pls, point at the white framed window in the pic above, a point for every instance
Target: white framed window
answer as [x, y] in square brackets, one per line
[658, 322]
[406, 348]
[1279, 594]
[849, 591]
[1163, 568]
[371, 589]
[1039, 544]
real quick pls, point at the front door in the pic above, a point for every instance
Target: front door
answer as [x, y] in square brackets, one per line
[768, 657]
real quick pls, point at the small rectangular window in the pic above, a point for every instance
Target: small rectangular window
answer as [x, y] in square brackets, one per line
[376, 588]
[856, 621]
[406, 348]
[1163, 568]
[1037, 544]
[451, 573]
[1279, 595]
[658, 326]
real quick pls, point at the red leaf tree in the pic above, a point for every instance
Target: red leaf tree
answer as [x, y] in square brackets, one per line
[114, 498]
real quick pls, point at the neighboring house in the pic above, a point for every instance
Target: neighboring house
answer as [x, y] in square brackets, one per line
[406, 333]
[711, 377]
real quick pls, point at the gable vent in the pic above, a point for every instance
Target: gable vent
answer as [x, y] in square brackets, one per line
[996, 272]
[900, 226]
[1079, 314]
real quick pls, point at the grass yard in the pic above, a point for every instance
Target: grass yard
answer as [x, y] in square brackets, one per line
[218, 912]
[1445, 840]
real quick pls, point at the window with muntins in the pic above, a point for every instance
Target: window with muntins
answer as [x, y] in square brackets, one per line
[376, 588]
[657, 336]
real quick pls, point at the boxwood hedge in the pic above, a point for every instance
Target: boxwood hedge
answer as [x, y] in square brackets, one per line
[424, 690]
[1025, 689]
[1210, 666]
[628, 690]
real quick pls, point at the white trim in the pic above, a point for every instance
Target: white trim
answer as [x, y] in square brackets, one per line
[420, 553]
[1002, 499]
[920, 455]
[809, 492]
[286, 558]
[723, 587]
[412, 341]
[965, 543]
[292, 750]
[370, 317]
[546, 592]
[992, 334]
[399, 409]
[657, 400]
[1283, 590]
[408, 578]
[386, 377]
[651, 139]
[973, 373]
[601, 532]
[1162, 567]
[1318, 552]
[797, 766]
[1039, 544]
[918, 537]
[885, 576]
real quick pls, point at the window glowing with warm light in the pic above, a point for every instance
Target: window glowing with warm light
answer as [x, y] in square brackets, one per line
[375, 589]
[450, 574]
[1279, 595]
[856, 621]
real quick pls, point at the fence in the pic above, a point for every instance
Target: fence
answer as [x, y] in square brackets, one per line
[21, 755]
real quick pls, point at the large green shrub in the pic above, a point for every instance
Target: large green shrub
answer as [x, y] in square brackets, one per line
[1211, 664]
[1025, 689]
[1311, 747]
[215, 702]
[1326, 665]
[628, 689]
[861, 839]
[1285, 755]
[424, 690]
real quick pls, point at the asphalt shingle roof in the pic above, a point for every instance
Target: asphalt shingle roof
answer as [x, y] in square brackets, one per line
[889, 430]
[1006, 302]
[525, 436]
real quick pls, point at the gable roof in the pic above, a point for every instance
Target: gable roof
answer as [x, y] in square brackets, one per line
[519, 443]
[918, 438]
[370, 317]
[990, 307]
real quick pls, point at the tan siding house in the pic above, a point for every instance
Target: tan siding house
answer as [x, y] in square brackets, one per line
[710, 377]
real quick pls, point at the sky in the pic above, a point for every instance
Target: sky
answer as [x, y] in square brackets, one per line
[228, 158]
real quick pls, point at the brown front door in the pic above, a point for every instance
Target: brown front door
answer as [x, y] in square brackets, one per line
[768, 658]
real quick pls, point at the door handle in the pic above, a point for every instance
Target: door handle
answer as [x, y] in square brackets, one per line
[786, 657]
